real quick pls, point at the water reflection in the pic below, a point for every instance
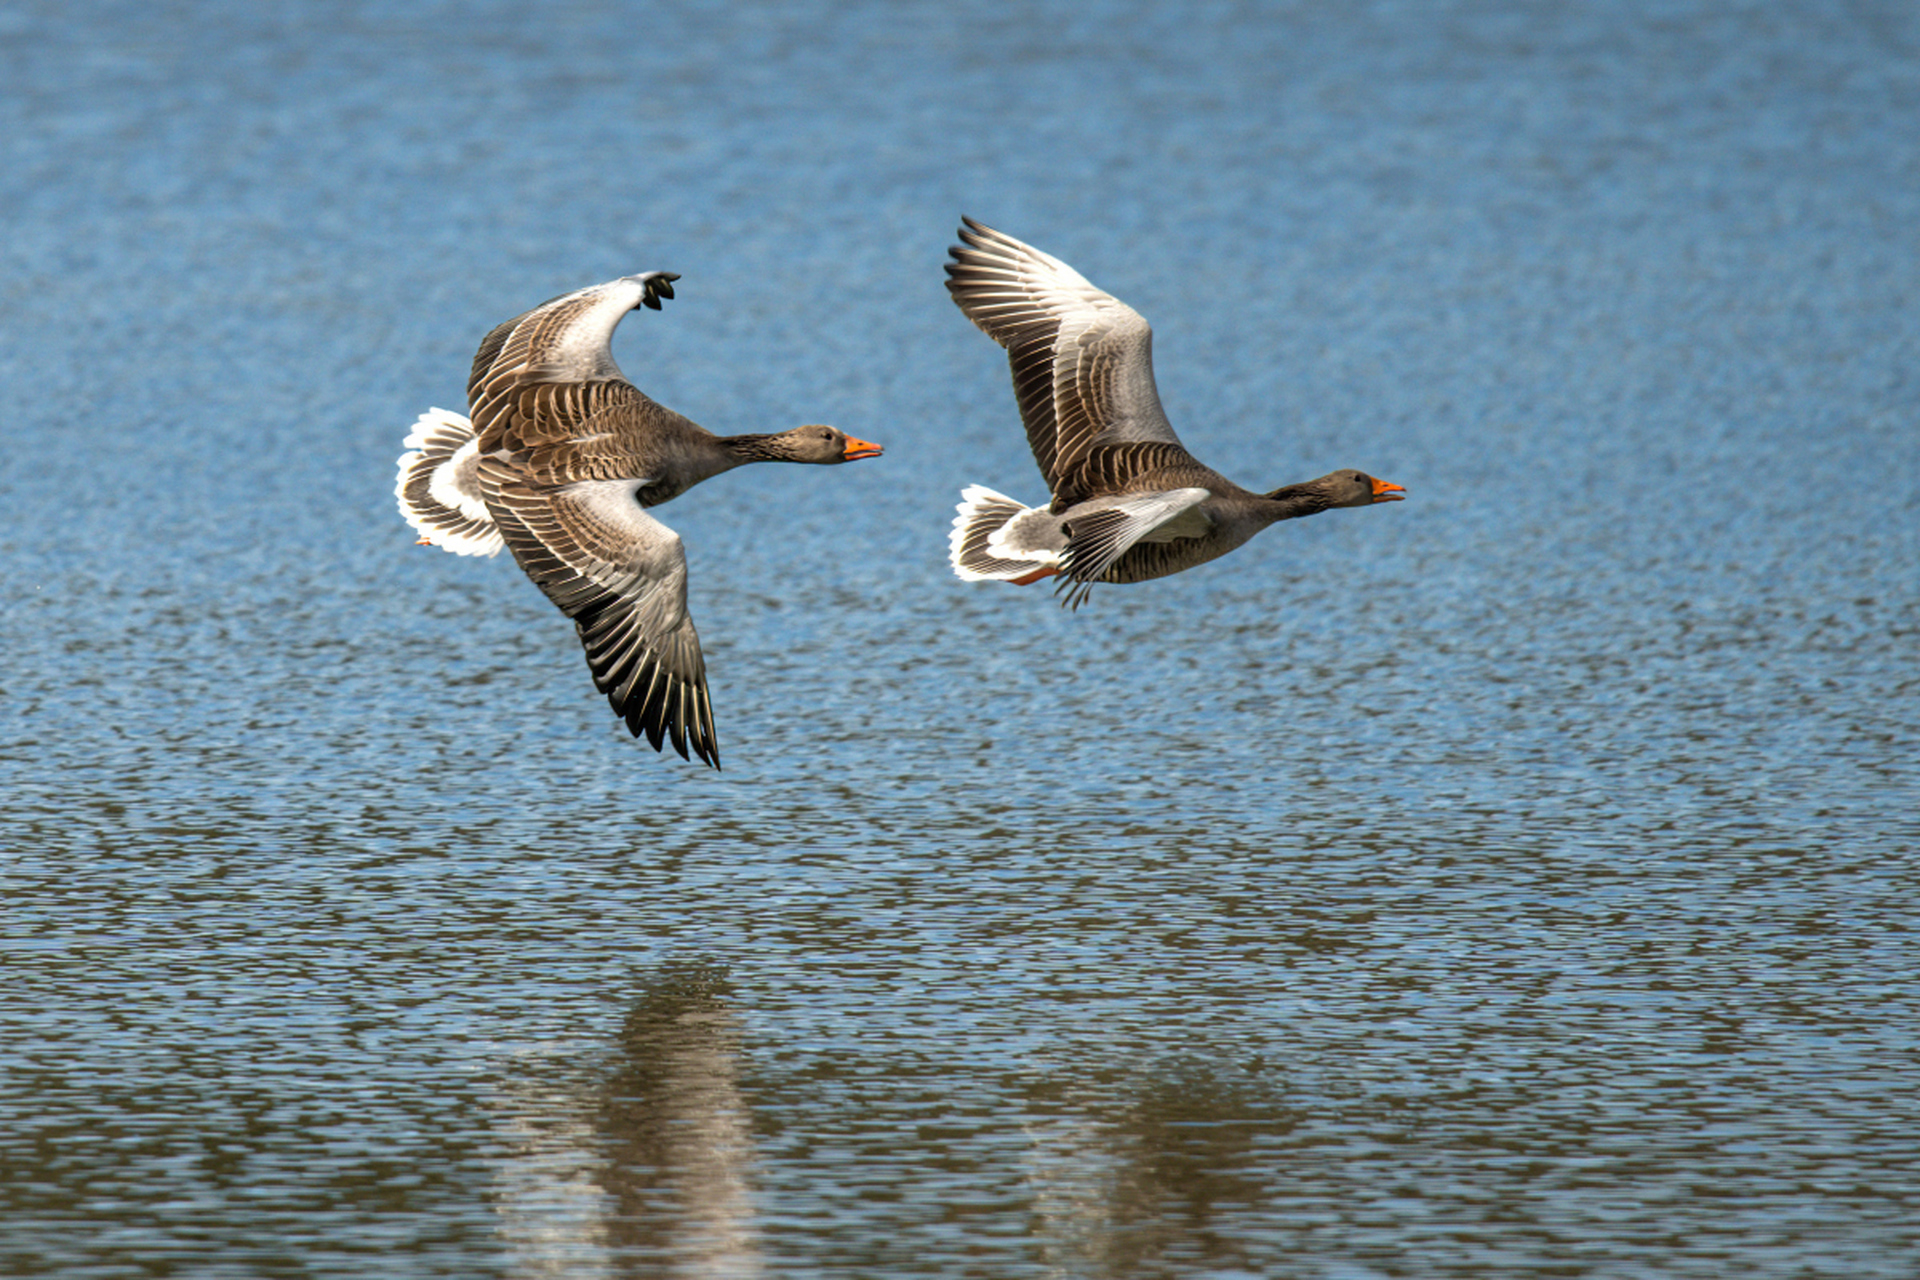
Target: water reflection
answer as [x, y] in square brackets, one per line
[677, 1132]
[637, 1163]
[1163, 1173]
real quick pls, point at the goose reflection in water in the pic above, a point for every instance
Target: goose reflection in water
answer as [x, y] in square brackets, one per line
[642, 1166]
[1126, 1183]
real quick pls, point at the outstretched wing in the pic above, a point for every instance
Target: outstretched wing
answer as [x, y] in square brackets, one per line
[621, 576]
[1082, 359]
[536, 377]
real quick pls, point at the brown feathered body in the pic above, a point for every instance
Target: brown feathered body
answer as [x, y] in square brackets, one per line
[558, 460]
[1128, 501]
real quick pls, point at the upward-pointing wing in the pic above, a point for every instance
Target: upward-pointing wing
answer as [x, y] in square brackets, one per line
[621, 576]
[1082, 359]
[538, 376]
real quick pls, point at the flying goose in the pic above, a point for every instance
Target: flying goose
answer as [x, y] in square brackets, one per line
[1129, 502]
[559, 462]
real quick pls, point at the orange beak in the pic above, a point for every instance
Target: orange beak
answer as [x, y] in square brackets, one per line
[858, 449]
[1386, 491]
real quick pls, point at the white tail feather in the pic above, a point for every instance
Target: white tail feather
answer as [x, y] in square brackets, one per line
[980, 548]
[436, 488]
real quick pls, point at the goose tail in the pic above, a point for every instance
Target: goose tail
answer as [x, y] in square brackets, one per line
[996, 539]
[438, 490]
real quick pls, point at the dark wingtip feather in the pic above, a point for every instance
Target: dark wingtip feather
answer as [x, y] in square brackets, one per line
[659, 284]
[666, 714]
[1072, 593]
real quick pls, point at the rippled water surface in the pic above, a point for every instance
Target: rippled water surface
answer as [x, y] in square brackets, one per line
[1515, 881]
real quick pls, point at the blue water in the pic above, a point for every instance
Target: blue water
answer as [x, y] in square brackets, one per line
[1514, 881]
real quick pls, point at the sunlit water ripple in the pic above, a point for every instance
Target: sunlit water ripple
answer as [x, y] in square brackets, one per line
[1516, 881]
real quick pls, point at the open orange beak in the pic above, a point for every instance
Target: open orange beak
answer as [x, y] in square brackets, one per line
[858, 449]
[1386, 491]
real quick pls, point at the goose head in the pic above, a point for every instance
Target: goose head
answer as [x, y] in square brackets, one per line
[819, 444]
[1350, 488]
